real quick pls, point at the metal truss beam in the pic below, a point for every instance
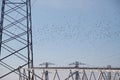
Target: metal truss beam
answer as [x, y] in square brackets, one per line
[76, 73]
[86, 68]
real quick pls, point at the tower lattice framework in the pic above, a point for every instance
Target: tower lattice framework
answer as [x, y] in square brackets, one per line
[16, 50]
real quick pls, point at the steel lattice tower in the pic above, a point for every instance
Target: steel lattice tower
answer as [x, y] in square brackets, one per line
[16, 50]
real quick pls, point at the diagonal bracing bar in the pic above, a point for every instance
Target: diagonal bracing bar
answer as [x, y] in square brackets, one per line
[16, 49]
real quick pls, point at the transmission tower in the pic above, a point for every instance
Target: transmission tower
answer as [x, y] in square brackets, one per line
[16, 49]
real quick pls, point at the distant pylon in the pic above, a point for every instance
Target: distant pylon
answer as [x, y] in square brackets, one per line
[16, 49]
[46, 72]
[76, 63]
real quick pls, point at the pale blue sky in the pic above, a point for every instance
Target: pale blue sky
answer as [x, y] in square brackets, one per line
[65, 31]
